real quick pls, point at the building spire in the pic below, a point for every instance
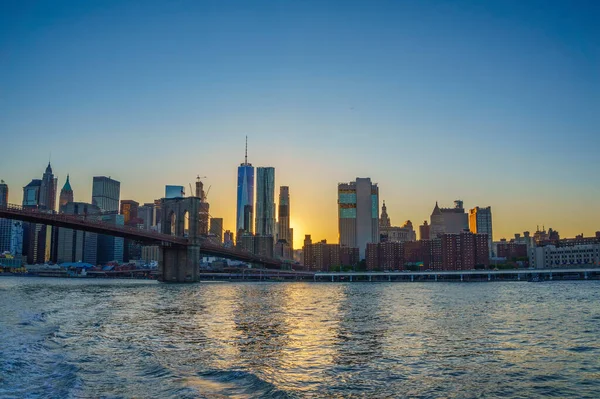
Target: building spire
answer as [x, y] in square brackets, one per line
[246, 156]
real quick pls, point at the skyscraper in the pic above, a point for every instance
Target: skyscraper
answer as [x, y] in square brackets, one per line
[106, 193]
[245, 196]
[265, 201]
[480, 222]
[448, 220]
[204, 209]
[110, 248]
[48, 190]
[129, 210]
[216, 228]
[76, 245]
[66, 194]
[358, 214]
[31, 194]
[5, 224]
[284, 232]
[3, 193]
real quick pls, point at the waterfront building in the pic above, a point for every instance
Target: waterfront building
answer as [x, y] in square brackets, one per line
[322, 256]
[565, 255]
[265, 201]
[448, 220]
[245, 196]
[150, 253]
[106, 193]
[74, 245]
[66, 195]
[385, 256]
[480, 222]
[511, 249]
[358, 214]
[216, 228]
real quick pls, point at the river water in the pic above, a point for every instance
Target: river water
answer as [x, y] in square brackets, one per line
[68, 338]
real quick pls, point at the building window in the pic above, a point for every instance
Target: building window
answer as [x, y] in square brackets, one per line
[346, 198]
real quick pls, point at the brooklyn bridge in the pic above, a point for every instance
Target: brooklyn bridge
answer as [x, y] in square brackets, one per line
[180, 253]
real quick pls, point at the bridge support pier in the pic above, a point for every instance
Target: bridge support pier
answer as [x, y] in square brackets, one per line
[179, 264]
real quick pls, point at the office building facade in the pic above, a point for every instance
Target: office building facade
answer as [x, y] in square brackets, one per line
[106, 194]
[216, 228]
[448, 220]
[358, 214]
[74, 245]
[265, 201]
[283, 216]
[480, 222]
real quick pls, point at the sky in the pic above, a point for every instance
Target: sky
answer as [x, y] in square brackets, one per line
[496, 103]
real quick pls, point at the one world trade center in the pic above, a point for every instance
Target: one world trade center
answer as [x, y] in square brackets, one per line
[245, 196]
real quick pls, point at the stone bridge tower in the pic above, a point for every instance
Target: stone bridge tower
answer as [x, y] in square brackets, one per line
[180, 217]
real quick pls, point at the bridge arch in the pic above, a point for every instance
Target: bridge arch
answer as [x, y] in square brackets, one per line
[180, 215]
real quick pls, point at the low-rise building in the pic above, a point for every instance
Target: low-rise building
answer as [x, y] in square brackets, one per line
[553, 256]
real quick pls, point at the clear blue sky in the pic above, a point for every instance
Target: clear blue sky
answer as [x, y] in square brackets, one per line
[495, 102]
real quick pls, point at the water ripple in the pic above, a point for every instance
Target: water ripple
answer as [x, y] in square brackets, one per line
[122, 339]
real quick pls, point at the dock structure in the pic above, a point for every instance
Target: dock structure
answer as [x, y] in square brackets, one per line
[462, 275]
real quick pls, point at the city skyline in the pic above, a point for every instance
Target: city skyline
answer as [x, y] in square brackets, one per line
[298, 241]
[490, 103]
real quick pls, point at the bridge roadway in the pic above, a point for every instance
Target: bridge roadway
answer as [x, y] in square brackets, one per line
[92, 225]
[458, 274]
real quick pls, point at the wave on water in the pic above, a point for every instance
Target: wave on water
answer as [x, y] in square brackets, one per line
[232, 384]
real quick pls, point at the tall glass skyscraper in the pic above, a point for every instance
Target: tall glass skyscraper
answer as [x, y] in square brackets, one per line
[265, 201]
[245, 195]
[106, 193]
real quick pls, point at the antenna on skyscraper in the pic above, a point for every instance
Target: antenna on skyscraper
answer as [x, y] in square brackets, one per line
[246, 156]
